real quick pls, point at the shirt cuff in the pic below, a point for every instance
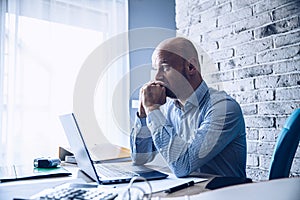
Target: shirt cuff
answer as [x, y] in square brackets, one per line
[155, 120]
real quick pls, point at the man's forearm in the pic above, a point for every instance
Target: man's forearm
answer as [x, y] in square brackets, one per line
[142, 148]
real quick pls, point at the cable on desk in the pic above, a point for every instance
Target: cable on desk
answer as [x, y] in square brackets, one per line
[135, 192]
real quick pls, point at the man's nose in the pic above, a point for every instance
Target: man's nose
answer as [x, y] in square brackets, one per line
[159, 76]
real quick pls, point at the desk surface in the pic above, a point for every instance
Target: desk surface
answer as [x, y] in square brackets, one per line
[27, 188]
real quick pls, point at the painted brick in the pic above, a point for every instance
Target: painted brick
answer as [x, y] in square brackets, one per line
[289, 80]
[202, 6]
[222, 1]
[254, 46]
[287, 66]
[278, 54]
[278, 27]
[182, 26]
[222, 54]
[237, 62]
[259, 122]
[203, 27]
[294, 174]
[252, 160]
[268, 5]
[238, 85]
[257, 174]
[287, 10]
[266, 66]
[259, 70]
[265, 161]
[277, 108]
[216, 11]
[265, 148]
[287, 39]
[268, 134]
[295, 166]
[207, 65]
[233, 17]
[238, 4]
[252, 147]
[253, 22]
[255, 96]
[280, 121]
[249, 109]
[267, 82]
[182, 15]
[222, 76]
[183, 31]
[252, 134]
[218, 33]
[210, 46]
[297, 154]
[288, 93]
[235, 39]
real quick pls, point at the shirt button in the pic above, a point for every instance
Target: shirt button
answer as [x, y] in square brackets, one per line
[160, 149]
[138, 126]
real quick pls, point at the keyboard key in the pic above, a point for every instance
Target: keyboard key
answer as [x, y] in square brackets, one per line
[66, 192]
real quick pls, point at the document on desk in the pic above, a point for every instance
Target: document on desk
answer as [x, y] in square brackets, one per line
[163, 185]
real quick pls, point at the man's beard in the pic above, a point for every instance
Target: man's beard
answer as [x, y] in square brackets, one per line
[170, 93]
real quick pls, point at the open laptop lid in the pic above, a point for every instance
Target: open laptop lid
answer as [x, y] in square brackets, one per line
[85, 162]
[78, 146]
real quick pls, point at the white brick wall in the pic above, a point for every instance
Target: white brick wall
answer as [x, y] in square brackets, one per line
[255, 45]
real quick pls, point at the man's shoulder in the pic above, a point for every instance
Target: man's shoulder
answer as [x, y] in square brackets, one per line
[218, 95]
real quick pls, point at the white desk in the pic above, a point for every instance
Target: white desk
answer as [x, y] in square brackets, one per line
[279, 189]
[26, 188]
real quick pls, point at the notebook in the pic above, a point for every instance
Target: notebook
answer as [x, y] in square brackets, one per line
[103, 173]
[23, 172]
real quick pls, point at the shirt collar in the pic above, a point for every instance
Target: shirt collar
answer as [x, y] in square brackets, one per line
[196, 97]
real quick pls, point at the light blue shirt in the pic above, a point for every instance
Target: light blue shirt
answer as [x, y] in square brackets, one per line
[205, 135]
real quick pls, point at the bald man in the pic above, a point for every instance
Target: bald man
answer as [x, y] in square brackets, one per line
[194, 128]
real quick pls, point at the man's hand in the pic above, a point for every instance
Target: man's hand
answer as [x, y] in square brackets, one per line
[152, 96]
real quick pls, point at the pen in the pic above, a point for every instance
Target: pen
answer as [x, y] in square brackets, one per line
[180, 187]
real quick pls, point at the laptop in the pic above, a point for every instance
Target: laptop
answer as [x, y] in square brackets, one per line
[102, 173]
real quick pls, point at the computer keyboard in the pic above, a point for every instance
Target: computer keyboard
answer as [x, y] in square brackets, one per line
[114, 171]
[67, 192]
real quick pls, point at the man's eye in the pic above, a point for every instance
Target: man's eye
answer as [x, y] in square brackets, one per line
[165, 67]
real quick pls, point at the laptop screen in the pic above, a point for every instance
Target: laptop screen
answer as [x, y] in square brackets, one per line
[78, 146]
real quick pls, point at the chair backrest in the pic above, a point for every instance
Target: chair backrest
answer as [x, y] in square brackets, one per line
[286, 146]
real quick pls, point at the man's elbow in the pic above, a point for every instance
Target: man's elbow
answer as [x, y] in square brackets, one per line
[142, 158]
[181, 171]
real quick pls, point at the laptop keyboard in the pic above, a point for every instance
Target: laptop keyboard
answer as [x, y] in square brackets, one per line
[76, 193]
[114, 171]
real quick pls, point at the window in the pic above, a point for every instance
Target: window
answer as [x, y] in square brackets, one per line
[45, 44]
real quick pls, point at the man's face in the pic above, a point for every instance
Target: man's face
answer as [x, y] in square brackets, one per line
[171, 71]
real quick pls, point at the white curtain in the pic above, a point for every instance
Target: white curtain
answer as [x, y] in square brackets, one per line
[43, 45]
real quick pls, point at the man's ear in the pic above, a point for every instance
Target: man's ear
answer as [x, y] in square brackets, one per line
[191, 67]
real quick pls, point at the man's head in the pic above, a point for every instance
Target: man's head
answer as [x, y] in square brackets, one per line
[178, 67]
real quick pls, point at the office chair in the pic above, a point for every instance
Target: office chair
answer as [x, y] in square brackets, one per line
[285, 148]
